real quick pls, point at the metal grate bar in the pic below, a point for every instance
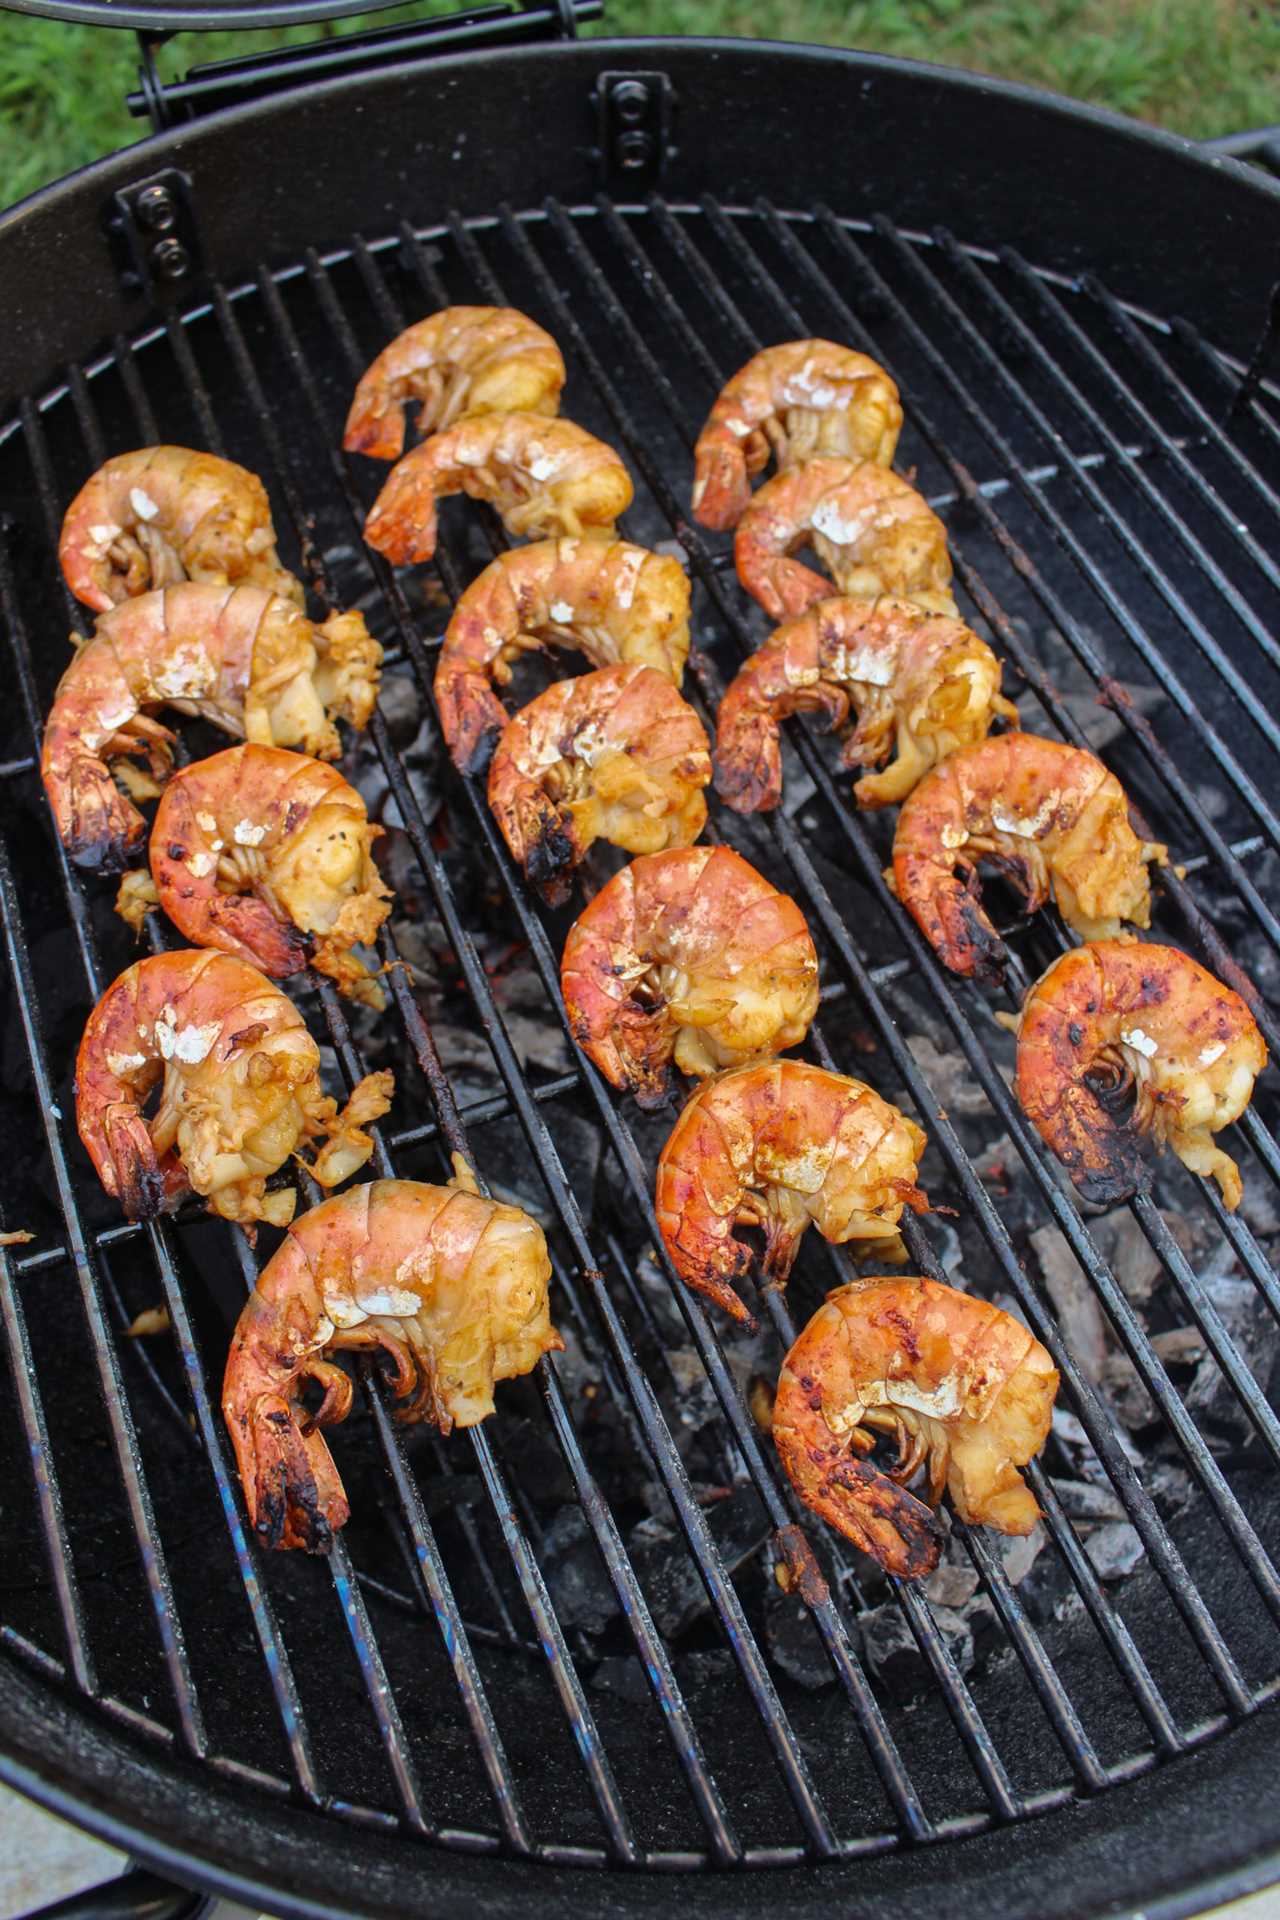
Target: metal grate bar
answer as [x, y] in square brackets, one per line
[656, 1662]
[1161, 761]
[777, 1730]
[1206, 426]
[1094, 1417]
[119, 1415]
[1089, 569]
[1140, 480]
[1225, 1352]
[53, 1524]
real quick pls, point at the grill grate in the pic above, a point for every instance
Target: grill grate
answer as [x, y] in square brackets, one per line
[1117, 507]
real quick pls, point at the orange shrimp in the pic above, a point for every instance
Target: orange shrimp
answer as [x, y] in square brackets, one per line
[955, 1381]
[164, 514]
[795, 401]
[922, 686]
[612, 601]
[457, 363]
[1112, 1018]
[1046, 815]
[689, 955]
[239, 1079]
[267, 855]
[780, 1145]
[452, 1286]
[239, 656]
[543, 476]
[614, 755]
[871, 530]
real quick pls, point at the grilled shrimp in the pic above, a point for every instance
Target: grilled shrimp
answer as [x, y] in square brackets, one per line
[614, 755]
[456, 363]
[543, 476]
[689, 954]
[452, 1286]
[1046, 815]
[805, 398]
[955, 1381]
[921, 684]
[266, 854]
[612, 601]
[239, 1079]
[239, 656]
[165, 514]
[777, 1146]
[871, 531]
[1116, 1019]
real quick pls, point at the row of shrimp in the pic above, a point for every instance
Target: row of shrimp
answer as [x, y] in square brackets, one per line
[196, 1074]
[260, 855]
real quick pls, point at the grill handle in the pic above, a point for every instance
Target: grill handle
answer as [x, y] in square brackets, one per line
[136, 1895]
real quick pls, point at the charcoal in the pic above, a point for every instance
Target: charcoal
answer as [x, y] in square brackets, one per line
[579, 1586]
[400, 707]
[1075, 1302]
[1068, 1431]
[1170, 1487]
[1210, 1396]
[1179, 1346]
[677, 1597]
[951, 1078]
[1125, 1394]
[890, 1649]
[1128, 1253]
[1019, 1553]
[1114, 1549]
[952, 1582]
[695, 1401]
[622, 1676]
[1081, 1501]
[793, 1641]
[1260, 1206]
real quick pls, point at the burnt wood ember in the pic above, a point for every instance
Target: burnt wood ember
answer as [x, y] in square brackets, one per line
[599, 1630]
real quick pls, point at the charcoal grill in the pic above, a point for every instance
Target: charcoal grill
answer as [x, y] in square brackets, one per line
[539, 1666]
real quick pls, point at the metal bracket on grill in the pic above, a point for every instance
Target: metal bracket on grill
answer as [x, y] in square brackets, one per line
[635, 110]
[152, 229]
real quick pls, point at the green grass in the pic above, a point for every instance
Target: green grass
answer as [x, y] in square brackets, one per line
[1199, 66]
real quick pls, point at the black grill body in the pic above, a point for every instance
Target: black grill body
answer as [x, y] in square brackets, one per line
[501, 1687]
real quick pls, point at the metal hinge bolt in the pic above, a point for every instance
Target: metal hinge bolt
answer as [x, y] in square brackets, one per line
[155, 209]
[633, 148]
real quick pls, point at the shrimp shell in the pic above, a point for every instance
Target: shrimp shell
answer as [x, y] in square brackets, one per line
[923, 685]
[780, 1145]
[1113, 1016]
[543, 476]
[804, 398]
[241, 657]
[166, 514]
[1045, 814]
[690, 955]
[266, 854]
[458, 363]
[612, 601]
[451, 1286]
[959, 1384]
[871, 530]
[240, 1090]
[614, 755]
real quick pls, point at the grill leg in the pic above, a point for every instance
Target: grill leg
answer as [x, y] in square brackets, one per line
[136, 1895]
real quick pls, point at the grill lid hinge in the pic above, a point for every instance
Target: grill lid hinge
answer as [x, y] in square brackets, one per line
[226, 83]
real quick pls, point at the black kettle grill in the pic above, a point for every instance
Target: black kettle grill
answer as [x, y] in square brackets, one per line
[550, 1663]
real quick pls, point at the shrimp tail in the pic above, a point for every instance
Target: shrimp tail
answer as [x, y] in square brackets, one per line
[721, 489]
[292, 1488]
[863, 1504]
[277, 946]
[550, 847]
[949, 911]
[102, 828]
[140, 1183]
[473, 718]
[1106, 1160]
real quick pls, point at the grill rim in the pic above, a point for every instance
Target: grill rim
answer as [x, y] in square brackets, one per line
[1102, 1870]
[132, 157]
